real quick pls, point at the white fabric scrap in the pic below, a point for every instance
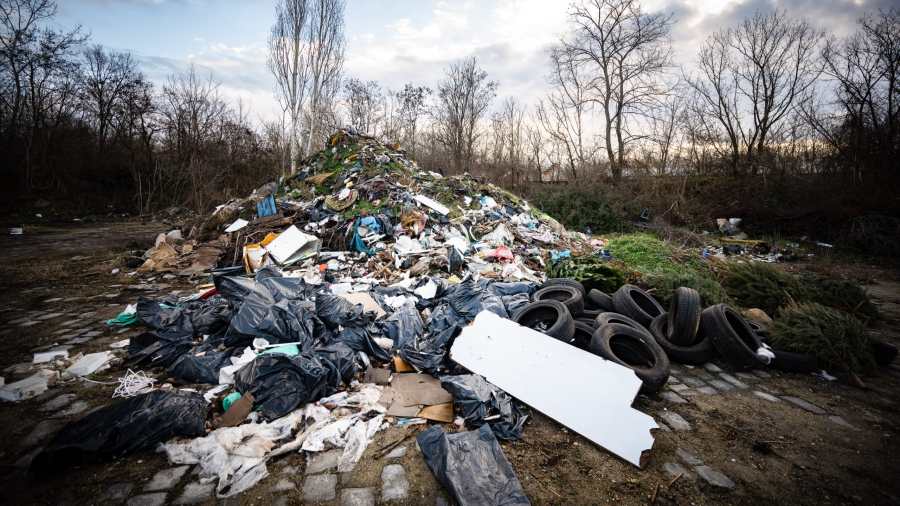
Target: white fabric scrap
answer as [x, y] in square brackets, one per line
[226, 374]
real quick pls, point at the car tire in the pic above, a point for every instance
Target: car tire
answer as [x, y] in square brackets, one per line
[600, 300]
[731, 336]
[683, 316]
[568, 295]
[566, 282]
[636, 350]
[552, 314]
[699, 353]
[634, 302]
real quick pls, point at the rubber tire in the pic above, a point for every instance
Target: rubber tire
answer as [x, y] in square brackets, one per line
[566, 282]
[731, 336]
[563, 327]
[631, 342]
[684, 317]
[884, 353]
[794, 362]
[583, 335]
[698, 353]
[611, 317]
[590, 322]
[601, 300]
[590, 313]
[568, 295]
[761, 333]
[636, 303]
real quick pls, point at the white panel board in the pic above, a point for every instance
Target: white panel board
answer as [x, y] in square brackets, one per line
[582, 391]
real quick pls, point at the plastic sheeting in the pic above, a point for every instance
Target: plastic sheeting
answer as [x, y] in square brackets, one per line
[472, 467]
[476, 400]
[134, 424]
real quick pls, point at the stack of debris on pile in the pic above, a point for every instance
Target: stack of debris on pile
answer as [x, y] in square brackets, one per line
[363, 293]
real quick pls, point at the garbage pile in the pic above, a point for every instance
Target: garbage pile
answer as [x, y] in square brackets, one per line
[363, 293]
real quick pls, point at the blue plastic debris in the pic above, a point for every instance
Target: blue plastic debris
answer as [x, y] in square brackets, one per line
[266, 207]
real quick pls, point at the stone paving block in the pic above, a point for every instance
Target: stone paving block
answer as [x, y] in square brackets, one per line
[58, 402]
[319, 487]
[116, 493]
[358, 497]
[673, 397]
[722, 385]
[317, 462]
[195, 493]
[768, 397]
[840, 421]
[692, 381]
[800, 403]
[394, 485]
[397, 453]
[284, 485]
[762, 374]
[679, 388]
[734, 381]
[707, 391]
[673, 379]
[675, 420]
[713, 477]
[746, 376]
[674, 469]
[688, 457]
[166, 479]
[711, 367]
[48, 316]
[157, 499]
[76, 408]
[42, 431]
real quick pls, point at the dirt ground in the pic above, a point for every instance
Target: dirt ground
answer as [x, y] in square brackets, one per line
[772, 450]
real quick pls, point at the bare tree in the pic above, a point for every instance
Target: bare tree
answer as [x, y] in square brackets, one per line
[326, 61]
[365, 104]
[289, 64]
[463, 98]
[664, 125]
[750, 77]
[106, 82]
[625, 50]
[413, 106]
[563, 112]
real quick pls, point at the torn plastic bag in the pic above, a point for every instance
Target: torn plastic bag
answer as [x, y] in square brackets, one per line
[404, 326]
[285, 321]
[505, 289]
[360, 339]
[191, 368]
[513, 303]
[476, 399]
[123, 427]
[198, 317]
[472, 467]
[280, 383]
[337, 311]
[152, 349]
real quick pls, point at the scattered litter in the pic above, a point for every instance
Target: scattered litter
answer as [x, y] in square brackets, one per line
[90, 363]
[49, 356]
[237, 225]
[133, 383]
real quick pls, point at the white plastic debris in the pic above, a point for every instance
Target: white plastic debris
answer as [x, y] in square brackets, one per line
[90, 363]
[237, 225]
[226, 374]
[133, 383]
[582, 391]
[49, 356]
[32, 386]
[499, 236]
[433, 204]
[293, 245]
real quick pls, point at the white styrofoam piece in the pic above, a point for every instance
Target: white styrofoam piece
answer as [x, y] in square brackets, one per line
[237, 225]
[289, 243]
[437, 206]
[89, 363]
[49, 356]
[582, 391]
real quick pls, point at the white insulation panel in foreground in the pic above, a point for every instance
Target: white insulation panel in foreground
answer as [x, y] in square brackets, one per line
[582, 391]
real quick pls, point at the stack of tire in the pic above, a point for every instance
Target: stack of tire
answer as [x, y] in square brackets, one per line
[631, 328]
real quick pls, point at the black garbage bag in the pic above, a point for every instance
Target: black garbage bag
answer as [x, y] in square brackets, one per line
[476, 399]
[361, 338]
[285, 321]
[196, 318]
[191, 368]
[472, 467]
[210, 316]
[124, 427]
[335, 311]
[155, 349]
[279, 383]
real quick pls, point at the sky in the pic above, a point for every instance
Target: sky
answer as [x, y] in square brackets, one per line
[397, 41]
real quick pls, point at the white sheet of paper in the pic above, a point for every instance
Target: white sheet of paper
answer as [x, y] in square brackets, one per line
[580, 390]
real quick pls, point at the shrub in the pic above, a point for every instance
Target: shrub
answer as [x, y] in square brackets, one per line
[758, 284]
[845, 295]
[579, 209]
[592, 272]
[644, 253]
[836, 338]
